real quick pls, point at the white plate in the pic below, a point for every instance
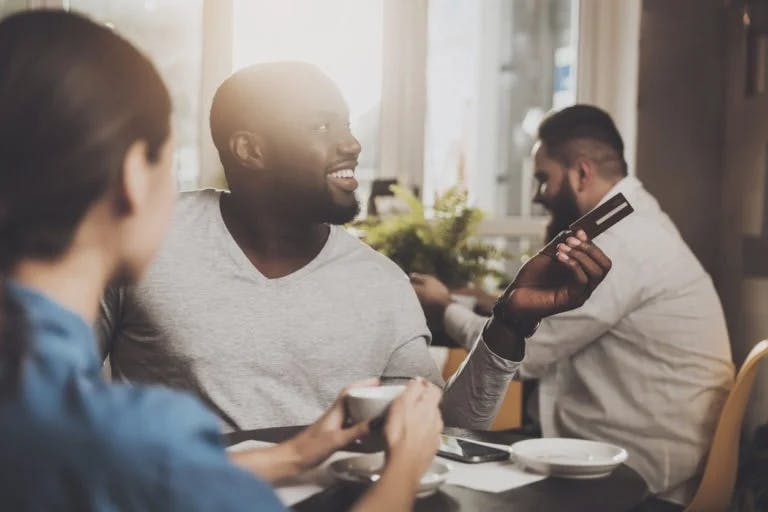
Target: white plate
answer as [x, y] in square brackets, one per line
[568, 458]
[366, 469]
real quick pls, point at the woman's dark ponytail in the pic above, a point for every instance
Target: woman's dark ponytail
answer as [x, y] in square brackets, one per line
[12, 339]
[12, 333]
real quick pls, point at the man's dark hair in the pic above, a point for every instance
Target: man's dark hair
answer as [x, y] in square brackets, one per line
[562, 132]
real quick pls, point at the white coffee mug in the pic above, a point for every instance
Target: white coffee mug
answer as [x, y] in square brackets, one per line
[368, 402]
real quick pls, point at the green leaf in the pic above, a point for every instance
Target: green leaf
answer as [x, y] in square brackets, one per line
[441, 245]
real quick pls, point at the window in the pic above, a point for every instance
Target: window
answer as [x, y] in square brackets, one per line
[493, 70]
[10, 6]
[171, 33]
[341, 37]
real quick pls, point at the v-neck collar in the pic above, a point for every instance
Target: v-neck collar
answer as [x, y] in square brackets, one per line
[250, 270]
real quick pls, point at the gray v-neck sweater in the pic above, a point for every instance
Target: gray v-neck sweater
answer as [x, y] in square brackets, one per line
[270, 352]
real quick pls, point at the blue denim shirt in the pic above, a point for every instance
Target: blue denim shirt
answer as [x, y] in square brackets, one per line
[71, 441]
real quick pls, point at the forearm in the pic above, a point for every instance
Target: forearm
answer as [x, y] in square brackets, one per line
[462, 325]
[394, 492]
[271, 463]
[475, 393]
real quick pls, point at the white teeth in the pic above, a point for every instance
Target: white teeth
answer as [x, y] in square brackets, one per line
[344, 173]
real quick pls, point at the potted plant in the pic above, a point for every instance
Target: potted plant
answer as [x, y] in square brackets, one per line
[442, 243]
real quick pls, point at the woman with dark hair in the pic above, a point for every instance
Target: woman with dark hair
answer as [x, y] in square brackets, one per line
[86, 192]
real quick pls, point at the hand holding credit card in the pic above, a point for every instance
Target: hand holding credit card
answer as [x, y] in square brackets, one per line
[593, 223]
[559, 278]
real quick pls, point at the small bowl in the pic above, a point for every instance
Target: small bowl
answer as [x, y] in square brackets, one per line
[568, 458]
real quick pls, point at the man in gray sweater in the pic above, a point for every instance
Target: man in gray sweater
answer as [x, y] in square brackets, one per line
[263, 305]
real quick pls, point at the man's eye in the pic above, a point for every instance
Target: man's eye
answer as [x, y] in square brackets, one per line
[322, 127]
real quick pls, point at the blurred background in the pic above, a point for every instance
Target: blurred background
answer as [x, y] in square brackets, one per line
[450, 92]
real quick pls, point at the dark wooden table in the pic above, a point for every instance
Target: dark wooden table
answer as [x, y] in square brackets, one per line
[621, 491]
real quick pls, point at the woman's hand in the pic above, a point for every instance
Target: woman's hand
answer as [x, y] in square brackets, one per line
[413, 435]
[327, 435]
[309, 448]
[413, 427]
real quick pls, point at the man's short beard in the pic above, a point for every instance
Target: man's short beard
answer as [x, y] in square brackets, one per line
[339, 215]
[564, 210]
[305, 204]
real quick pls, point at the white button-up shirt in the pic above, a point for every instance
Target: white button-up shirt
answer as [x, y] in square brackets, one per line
[645, 363]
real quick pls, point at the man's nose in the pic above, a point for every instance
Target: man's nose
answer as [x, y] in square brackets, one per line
[350, 146]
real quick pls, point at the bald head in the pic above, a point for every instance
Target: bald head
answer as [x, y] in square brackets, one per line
[266, 98]
[283, 134]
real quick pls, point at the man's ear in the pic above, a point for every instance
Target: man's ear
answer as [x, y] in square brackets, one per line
[135, 184]
[246, 149]
[585, 174]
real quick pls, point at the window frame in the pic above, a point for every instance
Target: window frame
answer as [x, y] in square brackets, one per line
[606, 75]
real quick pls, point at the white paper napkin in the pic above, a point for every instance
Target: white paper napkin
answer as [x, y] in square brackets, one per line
[490, 476]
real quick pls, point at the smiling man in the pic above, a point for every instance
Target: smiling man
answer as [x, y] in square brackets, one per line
[265, 307]
[260, 301]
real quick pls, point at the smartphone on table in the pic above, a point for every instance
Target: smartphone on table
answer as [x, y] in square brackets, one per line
[464, 450]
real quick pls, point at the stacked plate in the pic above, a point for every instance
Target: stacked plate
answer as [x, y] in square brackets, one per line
[568, 458]
[366, 469]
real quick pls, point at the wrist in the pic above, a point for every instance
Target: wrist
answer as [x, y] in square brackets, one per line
[271, 463]
[503, 341]
[402, 465]
[292, 456]
[508, 313]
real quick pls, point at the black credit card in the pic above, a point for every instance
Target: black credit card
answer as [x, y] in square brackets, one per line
[594, 222]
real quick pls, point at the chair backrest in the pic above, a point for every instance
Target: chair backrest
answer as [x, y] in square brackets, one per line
[716, 487]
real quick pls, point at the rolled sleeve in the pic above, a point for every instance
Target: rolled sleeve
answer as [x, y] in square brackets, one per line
[475, 393]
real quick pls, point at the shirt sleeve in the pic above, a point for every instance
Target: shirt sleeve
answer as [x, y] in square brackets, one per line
[410, 356]
[560, 336]
[463, 325]
[216, 484]
[413, 359]
[476, 391]
[170, 443]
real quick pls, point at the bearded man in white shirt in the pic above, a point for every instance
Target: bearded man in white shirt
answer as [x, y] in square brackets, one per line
[646, 363]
